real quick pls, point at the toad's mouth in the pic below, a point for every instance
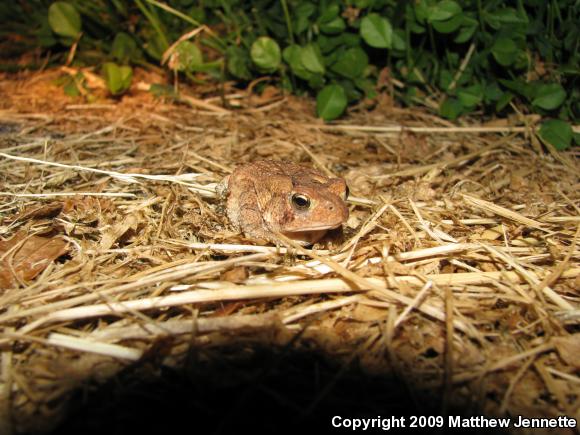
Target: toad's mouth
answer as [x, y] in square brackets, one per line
[313, 228]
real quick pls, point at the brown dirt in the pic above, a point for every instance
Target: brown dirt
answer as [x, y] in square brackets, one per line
[453, 291]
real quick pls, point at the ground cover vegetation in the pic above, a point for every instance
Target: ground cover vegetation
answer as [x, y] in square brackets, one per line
[457, 58]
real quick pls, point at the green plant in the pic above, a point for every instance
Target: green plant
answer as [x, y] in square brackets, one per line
[453, 56]
[118, 78]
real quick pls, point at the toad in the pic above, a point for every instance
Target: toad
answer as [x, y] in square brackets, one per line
[268, 197]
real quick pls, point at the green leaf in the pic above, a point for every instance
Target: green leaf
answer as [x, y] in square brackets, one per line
[445, 78]
[301, 14]
[504, 51]
[521, 87]
[471, 96]
[499, 18]
[197, 13]
[399, 40]
[238, 62]
[492, 92]
[330, 22]
[451, 108]
[491, 20]
[188, 56]
[328, 44]
[448, 26]
[64, 19]
[465, 34]
[291, 55]
[159, 90]
[331, 102]
[443, 11]
[155, 47]
[376, 31]
[337, 25]
[329, 13]
[124, 47]
[468, 28]
[311, 58]
[421, 9]
[352, 63]
[350, 90]
[415, 27]
[510, 16]
[118, 78]
[316, 81]
[557, 133]
[549, 96]
[304, 9]
[71, 89]
[366, 85]
[265, 53]
[503, 101]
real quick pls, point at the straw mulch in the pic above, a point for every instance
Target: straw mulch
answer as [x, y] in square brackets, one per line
[458, 272]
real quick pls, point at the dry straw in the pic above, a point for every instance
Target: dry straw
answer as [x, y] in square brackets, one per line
[461, 241]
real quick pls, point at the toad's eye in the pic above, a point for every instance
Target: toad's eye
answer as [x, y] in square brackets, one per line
[300, 201]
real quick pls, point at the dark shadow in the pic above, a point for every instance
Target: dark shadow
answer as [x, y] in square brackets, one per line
[262, 390]
[258, 389]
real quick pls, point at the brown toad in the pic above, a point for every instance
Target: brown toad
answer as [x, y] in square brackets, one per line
[266, 197]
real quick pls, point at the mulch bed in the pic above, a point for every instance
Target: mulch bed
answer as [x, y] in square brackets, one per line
[127, 301]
